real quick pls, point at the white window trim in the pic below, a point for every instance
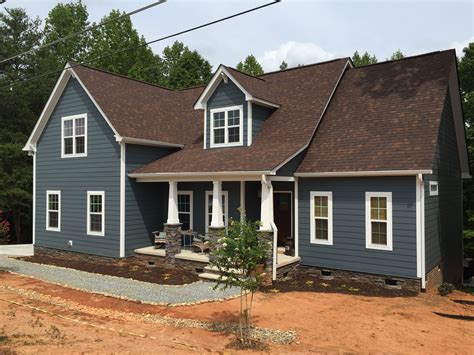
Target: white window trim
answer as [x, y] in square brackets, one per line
[53, 192]
[74, 155]
[226, 130]
[89, 194]
[191, 213]
[434, 193]
[226, 208]
[313, 239]
[368, 220]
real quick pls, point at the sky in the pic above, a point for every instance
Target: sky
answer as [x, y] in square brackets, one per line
[297, 31]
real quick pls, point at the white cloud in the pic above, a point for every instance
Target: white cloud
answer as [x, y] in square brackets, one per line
[293, 53]
[459, 46]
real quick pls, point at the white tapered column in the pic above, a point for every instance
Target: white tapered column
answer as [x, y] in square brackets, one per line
[173, 217]
[217, 215]
[266, 206]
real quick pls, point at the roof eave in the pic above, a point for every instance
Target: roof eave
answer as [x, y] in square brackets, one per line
[364, 173]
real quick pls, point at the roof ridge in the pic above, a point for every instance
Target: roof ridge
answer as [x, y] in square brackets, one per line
[241, 72]
[405, 58]
[304, 66]
[119, 75]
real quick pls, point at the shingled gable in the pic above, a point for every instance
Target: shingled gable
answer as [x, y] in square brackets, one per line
[303, 94]
[254, 88]
[385, 118]
[138, 112]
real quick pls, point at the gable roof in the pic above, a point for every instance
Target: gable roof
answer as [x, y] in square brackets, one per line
[384, 117]
[302, 94]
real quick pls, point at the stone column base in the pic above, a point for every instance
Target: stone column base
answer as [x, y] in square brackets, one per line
[173, 241]
[268, 266]
[215, 233]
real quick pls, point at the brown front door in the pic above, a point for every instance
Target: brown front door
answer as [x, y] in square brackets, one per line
[282, 210]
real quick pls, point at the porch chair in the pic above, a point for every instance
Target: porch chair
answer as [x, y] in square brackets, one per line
[200, 242]
[160, 239]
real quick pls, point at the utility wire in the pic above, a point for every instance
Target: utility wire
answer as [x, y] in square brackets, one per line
[90, 28]
[73, 65]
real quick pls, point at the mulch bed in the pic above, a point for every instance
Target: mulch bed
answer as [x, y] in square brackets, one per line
[131, 267]
[309, 282]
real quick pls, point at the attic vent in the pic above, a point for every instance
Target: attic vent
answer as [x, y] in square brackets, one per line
[224, 77]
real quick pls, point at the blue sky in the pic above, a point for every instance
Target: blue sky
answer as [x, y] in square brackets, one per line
[298, 31]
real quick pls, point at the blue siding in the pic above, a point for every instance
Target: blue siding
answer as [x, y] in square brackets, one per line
[259, 115]
[289, 168]
[199, 200]
[226, 95]
[145, 203]
[443, 213]
[348, 251]
[99, 171]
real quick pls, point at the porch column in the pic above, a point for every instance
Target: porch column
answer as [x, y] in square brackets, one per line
[217, 215]
[266, 205]
[173, 217]
[172, 226]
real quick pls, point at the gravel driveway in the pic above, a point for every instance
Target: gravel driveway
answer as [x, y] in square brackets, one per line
[117, 286]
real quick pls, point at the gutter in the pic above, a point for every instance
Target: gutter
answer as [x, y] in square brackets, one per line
[194, 174]
[366, 173]
[139, 141]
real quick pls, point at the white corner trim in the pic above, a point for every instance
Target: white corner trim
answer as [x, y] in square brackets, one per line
[123, 176]
[249, 123]
[297, 237]
[48, 228]
[420, 230]
[205, 127]
[313, 239]
[34, 200]
[306, 145]
[366, 173]
[388, 221]
[102, 232]
[226, 110]
[74, 154]
[148, 142]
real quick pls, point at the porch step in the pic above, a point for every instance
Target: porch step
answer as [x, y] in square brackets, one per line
[214, 270]
[209, 276]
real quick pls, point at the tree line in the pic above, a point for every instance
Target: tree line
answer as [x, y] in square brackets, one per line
[177, 67]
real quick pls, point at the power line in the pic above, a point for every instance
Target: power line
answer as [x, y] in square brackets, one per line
[90, 28]
[144, 44]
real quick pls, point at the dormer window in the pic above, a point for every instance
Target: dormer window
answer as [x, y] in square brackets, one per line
[226, 126]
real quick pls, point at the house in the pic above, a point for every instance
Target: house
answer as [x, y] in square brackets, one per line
[357, 171]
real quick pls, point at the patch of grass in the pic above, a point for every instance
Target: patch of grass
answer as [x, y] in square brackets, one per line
[274, 290]
[309, 283]
[55, 333]
[3, 339]
[352, 289]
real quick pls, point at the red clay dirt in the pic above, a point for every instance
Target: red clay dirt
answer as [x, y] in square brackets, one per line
[325, 322]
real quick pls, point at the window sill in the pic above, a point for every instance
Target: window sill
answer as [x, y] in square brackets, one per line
[96, 234]
[225, 145]
[321, 242]
[53, 229]
[379, 247]
[73, 156]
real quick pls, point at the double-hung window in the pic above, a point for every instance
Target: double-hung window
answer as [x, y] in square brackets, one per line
[378, 211]
[227, 126]
[321, 217]
[96, 213]
[53, 211]
[185, 209]
[74, 136]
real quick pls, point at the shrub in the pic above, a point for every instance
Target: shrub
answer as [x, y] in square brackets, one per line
[445, 289]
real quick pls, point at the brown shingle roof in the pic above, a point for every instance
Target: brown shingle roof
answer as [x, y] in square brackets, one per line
[302, 94]
[383, 117]
[140, 110]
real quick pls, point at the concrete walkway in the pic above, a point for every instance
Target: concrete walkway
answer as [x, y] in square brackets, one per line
[17, 249]
[117, 286]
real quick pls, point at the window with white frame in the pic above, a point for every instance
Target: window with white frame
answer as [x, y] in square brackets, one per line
[226, 126]
[433, 188]
[95, 213]
[185, 209]
[321, 217]
[378, 206]
[74, 136]
[225, 208]
[53, 211]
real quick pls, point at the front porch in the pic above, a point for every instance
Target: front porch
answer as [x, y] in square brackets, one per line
[193, 206]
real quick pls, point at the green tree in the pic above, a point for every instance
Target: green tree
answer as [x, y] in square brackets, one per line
[18, 114]
[364, 59]
[238, 256]
[283, 65]
[130, 56]
[466, 79]
[182, 68]
[397, 55]
[250, 66]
